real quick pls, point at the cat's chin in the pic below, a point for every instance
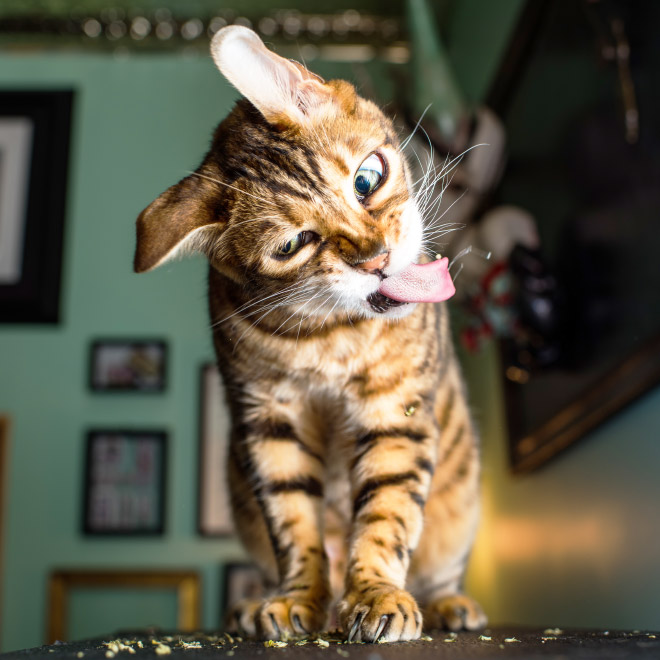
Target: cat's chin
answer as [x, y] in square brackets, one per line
[380, 305]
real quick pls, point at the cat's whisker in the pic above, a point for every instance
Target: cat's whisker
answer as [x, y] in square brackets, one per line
[429, 251]
[470, 249]
[422, 167]
[296, 311]
[293, 288]
[457, 159]
[431, 183]
[458, 272]
[315, 312]
[269, 309]
[426, 169]
[433, 223]
[438, 201]
[433, 216]
[421, 187]
[440, 232]
[424, 195]
[228, 185]
[266, 309]
[428, 139]
[254, 219]
[332, 309]
[292, 299]
[448, 167]
[320, 306]
[303, 318]
[404, 144]
[296, 301]
[433, 226]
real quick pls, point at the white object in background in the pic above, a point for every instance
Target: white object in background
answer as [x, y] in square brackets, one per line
[498, 232]
[15, 158]
[462, 179]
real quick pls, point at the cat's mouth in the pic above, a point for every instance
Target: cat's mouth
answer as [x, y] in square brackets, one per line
[381, 303]
[428, 282]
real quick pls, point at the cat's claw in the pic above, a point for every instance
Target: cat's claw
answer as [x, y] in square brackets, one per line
[356, 626]
[240, 620]
[383, 622]
[455, 612]
[298, 626]
[383, 615]
[279, 617]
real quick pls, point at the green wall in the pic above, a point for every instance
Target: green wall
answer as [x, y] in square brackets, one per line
[575, 544]
[140, 124]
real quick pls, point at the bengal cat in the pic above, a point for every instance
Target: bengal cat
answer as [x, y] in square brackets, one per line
[353, 461]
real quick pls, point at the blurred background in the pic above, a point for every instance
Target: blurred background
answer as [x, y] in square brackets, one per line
[110, 427]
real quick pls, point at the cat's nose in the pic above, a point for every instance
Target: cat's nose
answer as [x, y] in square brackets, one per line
[376, 263]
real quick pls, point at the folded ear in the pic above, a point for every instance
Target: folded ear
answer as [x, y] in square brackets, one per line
[183, 219]
[277, 87]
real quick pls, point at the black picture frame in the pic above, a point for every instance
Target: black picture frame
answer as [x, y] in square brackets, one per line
[600, 384]
[214, 517]
[30, 290]
[128, 365]
[125, 482]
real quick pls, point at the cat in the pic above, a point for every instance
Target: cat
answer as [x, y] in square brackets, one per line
[353, 460]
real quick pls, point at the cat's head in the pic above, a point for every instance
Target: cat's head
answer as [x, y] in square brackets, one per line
[304, 197]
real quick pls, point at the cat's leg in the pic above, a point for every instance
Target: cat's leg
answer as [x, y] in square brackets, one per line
[251, 527]
[277, 494]
[391, 475]
[450, 521]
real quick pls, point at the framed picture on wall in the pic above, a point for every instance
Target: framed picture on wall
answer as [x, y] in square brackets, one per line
[118, 365]
[34, 153]
[584, 165]
[214, 510]
[125, 482]
[79, 600]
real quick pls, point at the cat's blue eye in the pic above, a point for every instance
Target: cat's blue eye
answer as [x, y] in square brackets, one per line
[292, 246]
[368, 176]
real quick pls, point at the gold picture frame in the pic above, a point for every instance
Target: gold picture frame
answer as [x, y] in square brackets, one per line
[186, 584]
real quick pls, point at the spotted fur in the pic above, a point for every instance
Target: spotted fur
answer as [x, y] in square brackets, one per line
[353, 461]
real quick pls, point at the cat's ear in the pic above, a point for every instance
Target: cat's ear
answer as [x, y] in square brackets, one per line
[183, 219]
[277, 87]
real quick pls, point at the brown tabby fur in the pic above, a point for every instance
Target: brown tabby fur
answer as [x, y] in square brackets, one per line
[350, 430]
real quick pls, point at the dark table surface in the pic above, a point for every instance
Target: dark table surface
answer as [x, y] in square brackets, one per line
[497, 642]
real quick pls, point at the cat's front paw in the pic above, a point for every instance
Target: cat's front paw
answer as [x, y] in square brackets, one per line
[281, 617]
[240, 619]
[383, 614]
[454, 612]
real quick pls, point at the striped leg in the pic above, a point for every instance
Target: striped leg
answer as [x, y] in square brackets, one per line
[450, 522]
[284, 477]
[391, 474]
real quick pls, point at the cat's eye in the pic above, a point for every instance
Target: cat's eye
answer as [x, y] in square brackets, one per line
[369, 176]
[292, 246]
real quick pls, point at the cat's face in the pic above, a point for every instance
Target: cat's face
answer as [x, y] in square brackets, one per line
[304, 198]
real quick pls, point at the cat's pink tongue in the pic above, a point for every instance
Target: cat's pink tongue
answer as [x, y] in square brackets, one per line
[420, 283]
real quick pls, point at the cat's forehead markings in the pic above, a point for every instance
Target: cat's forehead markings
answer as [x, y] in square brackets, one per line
[339, 161]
